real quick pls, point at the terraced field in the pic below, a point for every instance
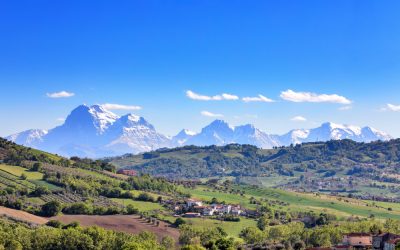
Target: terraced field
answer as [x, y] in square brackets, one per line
[11, 176]
[11, 180]
[18, 171]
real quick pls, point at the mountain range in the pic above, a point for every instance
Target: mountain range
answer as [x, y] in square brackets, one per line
[93, 131]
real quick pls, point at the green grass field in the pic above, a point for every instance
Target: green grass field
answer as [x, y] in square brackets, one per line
[203, 193]
[141, 205]
[303, 202]
[33, 178]
[231, 228]
[18, 171]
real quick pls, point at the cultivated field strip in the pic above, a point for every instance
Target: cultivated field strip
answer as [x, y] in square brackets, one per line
[12, 180]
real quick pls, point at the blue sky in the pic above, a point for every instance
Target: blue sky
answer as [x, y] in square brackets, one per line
[150, 53]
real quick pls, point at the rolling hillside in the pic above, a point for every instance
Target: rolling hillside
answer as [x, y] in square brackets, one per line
[366, 169]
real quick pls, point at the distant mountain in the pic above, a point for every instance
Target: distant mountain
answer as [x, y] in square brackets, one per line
[221, 133]
[248, 134]
[216, 133]
[331, 131]
[133, 133]
[182, 137]
[96, 132]
[29, 138]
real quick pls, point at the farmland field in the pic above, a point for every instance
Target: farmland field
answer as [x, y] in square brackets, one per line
[231, 228]
[123, 223]
[302, 202]
[11, 180]
[10, 175]
[22, 216]
[17, 171]
[141, 205]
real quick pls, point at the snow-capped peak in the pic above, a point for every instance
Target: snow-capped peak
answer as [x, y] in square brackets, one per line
[96, 132]
[182, 137]
[102, 117]
[188, 132]
[29, 137]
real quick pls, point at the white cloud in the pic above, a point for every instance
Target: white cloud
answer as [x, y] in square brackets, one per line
[259, 98]
[111, 106]
[61, 94]
[290, 95]
[345, 108]
[209, 114]
[61, 119]
[194, 96]
[298, 119]
[392, 107]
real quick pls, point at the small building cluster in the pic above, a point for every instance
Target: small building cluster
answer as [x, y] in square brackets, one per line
[196, 208]
[384, 241]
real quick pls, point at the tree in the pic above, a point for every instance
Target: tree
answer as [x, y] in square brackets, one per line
[193, 247]
[252, 235]
[14, 245]
[23, 176]
[40, 190]
[262, 222]
[51, 208]
[299, 245]
[130, 209]
[37, 166]
[79, 208]
[74, 239]
[145, 197]
[179, 221]
[168, 242]
[54, 223]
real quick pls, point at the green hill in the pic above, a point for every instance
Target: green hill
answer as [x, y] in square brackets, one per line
[335, 166]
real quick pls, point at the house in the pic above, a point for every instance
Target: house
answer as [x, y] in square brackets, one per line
[357, 240]
[208, 211]
[222, 209]
[380, 240]
[199, 209]
[128, 172]
[236, 210]
[391, 244]
[193, 202]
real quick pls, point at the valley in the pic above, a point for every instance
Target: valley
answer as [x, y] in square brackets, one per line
[243, 190]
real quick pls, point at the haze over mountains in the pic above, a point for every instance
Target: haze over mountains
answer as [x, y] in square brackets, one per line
[96, 132]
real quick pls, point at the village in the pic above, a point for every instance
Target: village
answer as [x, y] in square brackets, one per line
[193, 208]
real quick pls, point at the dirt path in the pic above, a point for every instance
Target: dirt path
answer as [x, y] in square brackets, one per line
[123, 223]
[22, 216]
